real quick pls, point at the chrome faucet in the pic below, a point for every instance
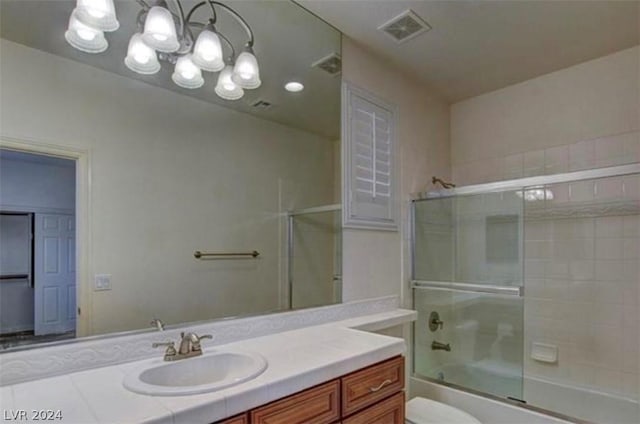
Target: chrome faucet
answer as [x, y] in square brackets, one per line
[440, 346]
[157, 322]
[189, 346]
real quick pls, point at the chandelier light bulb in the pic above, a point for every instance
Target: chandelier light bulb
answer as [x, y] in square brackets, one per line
[160, 30]
[86, 34]
[98, 14]
[246, 73]
[84, 37]
[207, 52]
[140, 57]
[186, 74]
[226, 88]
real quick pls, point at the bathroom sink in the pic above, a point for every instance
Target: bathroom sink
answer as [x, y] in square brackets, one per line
[207, 373]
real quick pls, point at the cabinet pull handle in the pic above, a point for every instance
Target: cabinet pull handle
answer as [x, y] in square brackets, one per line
[384, 383]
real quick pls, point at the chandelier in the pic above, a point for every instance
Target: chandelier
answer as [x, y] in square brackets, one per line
[169, 35]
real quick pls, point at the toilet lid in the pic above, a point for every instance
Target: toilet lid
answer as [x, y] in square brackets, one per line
[426, 411]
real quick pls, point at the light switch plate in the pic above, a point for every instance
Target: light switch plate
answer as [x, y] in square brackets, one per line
[102, 282]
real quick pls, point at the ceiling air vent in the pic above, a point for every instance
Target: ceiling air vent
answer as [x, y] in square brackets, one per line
[405, 26]
[261, 104]
[331, 64]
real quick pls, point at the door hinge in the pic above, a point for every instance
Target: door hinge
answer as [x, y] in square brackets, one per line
[79, 311]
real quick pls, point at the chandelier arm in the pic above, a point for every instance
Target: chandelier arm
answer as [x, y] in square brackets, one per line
[231, 12]
[226, 40]
[140, 19]
[213, 11]
[181, 18]
[143, 4]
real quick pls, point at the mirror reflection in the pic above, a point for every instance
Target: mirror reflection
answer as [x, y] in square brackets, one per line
[163, 163]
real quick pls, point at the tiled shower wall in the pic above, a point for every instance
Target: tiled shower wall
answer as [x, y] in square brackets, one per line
[618, 149]
[581, 283]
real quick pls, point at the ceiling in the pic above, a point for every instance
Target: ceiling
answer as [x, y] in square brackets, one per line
[477, 46]
[288, 41]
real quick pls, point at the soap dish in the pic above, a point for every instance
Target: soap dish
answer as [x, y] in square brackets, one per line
[543, 352]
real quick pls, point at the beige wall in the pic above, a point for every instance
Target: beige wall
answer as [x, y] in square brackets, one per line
[169, 174]
[376, 262]
[581, 117]
[582, 279]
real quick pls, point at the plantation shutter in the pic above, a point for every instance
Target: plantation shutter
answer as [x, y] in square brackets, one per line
[370, 139]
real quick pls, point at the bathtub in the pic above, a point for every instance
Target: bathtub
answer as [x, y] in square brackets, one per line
[563, 401]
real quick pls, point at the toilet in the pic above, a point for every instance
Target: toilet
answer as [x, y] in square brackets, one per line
[426, 411]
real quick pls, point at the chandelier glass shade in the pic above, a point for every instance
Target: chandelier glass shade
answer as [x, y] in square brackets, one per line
[207, 53]
[84, 37]
[186, 74]
[160, 30]
[167, 34]
[98, 14]
[246, 73]
[140, 57]
[226, 88]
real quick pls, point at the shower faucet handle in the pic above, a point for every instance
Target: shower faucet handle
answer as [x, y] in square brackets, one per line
[435, 322]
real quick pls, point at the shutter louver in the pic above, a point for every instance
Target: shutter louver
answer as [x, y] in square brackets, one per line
[371, 161]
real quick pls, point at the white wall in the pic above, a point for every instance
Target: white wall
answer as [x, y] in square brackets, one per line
[582, 281]
[377, 262]
[169, 175]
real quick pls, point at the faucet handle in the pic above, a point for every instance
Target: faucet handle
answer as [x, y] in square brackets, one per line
[198, 339]
[171, 348]
[157, 322]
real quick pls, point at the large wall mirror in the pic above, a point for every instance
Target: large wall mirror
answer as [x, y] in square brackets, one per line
[114, 175]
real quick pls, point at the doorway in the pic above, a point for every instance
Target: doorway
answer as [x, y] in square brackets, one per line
[37, 248]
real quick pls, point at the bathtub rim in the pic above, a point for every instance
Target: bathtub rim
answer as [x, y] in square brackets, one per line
[509, 401]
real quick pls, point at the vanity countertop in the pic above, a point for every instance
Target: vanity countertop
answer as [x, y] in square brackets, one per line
[298, 359]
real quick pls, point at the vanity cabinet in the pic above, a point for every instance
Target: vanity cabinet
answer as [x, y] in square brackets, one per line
[238, 419]
[373, 395]
[320, 404]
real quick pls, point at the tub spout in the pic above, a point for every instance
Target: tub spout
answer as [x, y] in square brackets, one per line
[440, 346]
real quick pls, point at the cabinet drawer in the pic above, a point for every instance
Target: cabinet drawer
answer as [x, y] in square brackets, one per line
[389, 411]
[238, 419]
[319, 405]
[368, 386]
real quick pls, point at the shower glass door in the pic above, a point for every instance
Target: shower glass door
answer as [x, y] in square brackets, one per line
[468, 285]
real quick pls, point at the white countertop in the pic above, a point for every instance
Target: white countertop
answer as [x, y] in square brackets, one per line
[297, 359]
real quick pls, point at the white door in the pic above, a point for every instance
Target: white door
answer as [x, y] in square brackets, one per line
[55, 273]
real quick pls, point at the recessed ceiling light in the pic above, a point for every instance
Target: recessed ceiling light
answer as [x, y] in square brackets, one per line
[294, 86]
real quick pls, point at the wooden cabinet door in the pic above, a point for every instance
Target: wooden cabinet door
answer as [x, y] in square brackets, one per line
[318, 405]
[238, 419]
[370, 385]
[389, 411]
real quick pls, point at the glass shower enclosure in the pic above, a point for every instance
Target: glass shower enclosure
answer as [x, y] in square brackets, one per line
[467, 284]
[529, 290]
[314, 256]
